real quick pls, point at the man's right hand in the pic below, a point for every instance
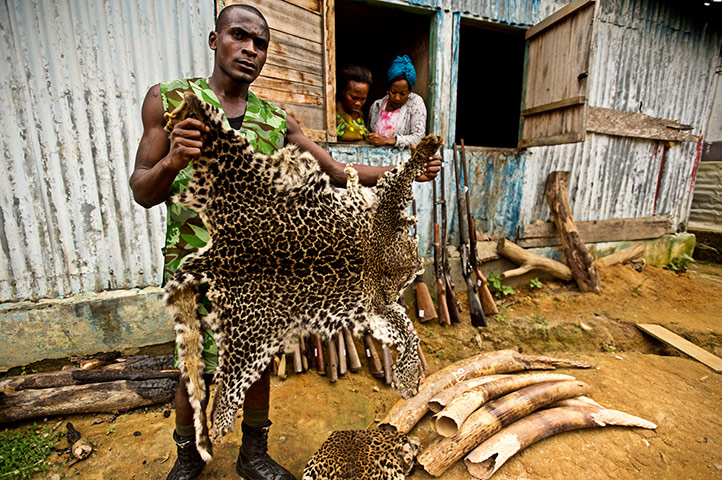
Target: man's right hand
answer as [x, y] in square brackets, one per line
[186, 141]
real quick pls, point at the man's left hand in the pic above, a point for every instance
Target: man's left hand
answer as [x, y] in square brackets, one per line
[431, 169]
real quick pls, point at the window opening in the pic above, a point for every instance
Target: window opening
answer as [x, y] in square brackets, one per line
[372, 36]
[491, 71]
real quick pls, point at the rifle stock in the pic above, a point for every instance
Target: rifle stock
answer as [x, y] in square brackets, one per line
[487, 299]
[451, 301]
[476, 312]
[444, 318]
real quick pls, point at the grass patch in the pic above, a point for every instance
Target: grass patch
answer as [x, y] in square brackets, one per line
[23, 452]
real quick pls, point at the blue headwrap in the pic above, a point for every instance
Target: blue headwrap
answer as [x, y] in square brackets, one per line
[402, 66]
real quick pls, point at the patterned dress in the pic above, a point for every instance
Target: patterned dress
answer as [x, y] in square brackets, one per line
[264, 125]
[350, 129]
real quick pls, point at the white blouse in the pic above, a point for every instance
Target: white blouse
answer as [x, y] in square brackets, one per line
[411, 122]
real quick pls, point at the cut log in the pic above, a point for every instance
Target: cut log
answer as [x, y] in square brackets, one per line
[529, 261]
[579, 258]
[624, 255]
[318, 356]
[342, 355]
[388, 361]
[372, 356]
[451, 418]
[97, 397]
[332, 360]
[297, 362]
[444, 452]
[406, 413]
[354, 362]
[488, 457]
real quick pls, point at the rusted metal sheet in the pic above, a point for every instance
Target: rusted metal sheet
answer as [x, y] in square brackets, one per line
[706, 213]
[511, 12]
[76, 74]
[613, 177]
[496, 178]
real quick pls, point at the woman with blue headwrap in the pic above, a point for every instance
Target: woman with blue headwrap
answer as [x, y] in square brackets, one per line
[399, 118]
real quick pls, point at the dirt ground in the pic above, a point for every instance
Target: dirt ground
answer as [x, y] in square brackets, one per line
[633, 373]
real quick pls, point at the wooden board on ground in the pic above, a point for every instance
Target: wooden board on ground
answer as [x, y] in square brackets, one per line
[685, 346]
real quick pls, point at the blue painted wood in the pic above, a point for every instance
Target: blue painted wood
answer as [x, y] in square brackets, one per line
[496, 179]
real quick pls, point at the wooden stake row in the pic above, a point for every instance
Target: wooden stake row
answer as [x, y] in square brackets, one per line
[335, 357]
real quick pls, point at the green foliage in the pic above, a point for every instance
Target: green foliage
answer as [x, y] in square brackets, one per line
[23, 452]
[540, 320]
[680, 264]
[496, 287]
[535, 283]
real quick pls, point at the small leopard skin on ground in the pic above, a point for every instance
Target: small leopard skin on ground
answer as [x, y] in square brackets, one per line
[288, 255]
[363, 454]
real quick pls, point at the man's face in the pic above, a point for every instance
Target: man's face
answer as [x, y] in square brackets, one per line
[241, 46]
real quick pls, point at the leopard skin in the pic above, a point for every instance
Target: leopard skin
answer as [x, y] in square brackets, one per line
[363, 454]
[288, 255]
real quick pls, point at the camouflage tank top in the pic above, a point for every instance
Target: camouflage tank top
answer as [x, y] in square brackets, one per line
[264, 125]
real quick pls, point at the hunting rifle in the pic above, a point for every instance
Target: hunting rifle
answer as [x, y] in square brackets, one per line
[475, 311]
[444, 318]
[425, 310]
[487, 299]
[452, 303]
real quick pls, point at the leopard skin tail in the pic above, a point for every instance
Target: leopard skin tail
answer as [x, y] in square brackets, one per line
[182, 301]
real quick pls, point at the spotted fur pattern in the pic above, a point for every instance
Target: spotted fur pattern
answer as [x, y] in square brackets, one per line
[288, 254]
[363, 454]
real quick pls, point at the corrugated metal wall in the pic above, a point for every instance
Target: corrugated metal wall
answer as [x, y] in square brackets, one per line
[76, 73]
[512, 12]
[651, 57]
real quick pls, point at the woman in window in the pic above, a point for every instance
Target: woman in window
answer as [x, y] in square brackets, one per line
[398, 119]
[354, 85]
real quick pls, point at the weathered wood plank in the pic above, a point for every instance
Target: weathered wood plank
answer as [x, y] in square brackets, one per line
[568, 102]
[291, 86]
[630, 124]
[286, 96]
[329, 41]
[290, 18]
[556, 17]
[552, 139]
[594, 231]
[685, 346]
[557, 67]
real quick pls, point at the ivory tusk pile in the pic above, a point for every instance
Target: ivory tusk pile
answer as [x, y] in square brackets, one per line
[490, 455]
[491, 418]
[451, 418]
[406, 413]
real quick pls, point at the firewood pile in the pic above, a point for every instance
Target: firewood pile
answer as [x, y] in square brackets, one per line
[485, 413]
[101, 383]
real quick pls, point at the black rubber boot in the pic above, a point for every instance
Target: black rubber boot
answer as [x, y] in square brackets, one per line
[253, 462]
[189, 463]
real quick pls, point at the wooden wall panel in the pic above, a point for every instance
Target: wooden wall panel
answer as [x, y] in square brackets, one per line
[294, 77]
[557, 69]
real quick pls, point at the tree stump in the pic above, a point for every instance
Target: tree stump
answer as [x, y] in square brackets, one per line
[579, 258]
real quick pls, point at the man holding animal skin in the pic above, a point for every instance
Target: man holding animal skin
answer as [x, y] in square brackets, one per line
[240, 42]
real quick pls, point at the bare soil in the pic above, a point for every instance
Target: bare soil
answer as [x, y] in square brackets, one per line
[633, 373]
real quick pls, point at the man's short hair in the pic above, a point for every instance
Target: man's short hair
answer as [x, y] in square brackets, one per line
[222, 19]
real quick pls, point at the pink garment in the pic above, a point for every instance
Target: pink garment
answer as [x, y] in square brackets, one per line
[387, 121]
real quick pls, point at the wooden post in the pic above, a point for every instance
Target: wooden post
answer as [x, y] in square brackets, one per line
[579, 258]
